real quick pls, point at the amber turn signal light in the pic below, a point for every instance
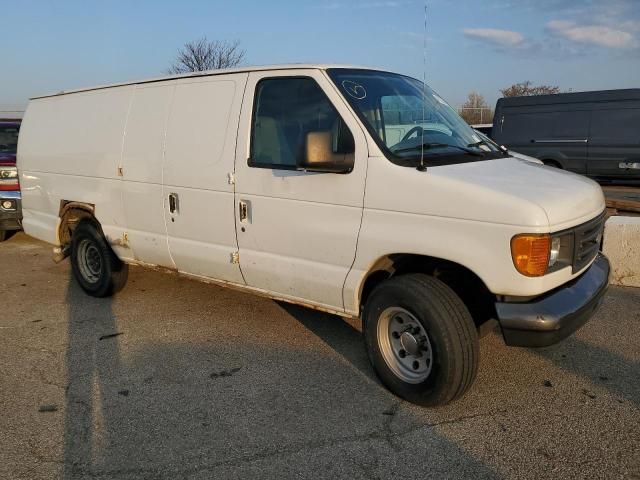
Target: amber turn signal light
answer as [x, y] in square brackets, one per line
[530, 254]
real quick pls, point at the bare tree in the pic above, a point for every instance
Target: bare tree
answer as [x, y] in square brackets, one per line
[203, 54]
[476, 110]
[525, 89]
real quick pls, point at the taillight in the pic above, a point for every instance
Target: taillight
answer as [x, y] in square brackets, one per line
[9, 178]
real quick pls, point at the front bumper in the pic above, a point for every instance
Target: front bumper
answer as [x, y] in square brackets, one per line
[557, 314]
[11, 219]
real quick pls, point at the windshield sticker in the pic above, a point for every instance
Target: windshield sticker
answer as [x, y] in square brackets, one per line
[354, 89]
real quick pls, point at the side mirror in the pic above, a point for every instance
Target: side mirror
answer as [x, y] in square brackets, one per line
[320, 155]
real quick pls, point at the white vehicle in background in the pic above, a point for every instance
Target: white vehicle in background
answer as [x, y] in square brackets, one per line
[354, 191]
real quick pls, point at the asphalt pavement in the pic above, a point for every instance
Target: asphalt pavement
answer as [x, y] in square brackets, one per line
[173, 379]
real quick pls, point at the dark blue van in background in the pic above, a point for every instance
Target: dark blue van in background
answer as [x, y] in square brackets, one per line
[592, 133]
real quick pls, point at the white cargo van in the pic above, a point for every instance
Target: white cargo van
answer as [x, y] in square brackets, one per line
[355, 191]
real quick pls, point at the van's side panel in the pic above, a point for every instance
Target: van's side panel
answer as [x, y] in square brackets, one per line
[79, 137]
[302, 227]
[199, 155]
[555, 132]
[142, 154]
[615, 139]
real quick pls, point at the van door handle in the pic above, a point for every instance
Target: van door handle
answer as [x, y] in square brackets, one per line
[173, 203]
[243, 210]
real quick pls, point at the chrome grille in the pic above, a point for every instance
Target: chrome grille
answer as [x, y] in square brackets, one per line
[586, 242]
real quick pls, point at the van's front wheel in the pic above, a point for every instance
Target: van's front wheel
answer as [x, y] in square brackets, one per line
[95, 266]
[421, 339]
[6, 234]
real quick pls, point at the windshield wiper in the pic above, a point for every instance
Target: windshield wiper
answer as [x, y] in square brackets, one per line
[428, 146]
[503, 150]
[477, 144]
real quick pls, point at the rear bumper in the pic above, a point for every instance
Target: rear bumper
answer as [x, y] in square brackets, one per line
[557, 314]
[11, 218]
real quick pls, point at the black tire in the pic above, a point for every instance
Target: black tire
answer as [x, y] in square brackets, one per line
[6, 234]
[95, 266]
[451, 333]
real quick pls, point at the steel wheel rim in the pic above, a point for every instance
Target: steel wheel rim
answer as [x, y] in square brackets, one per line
[89, 261]
[405, 345]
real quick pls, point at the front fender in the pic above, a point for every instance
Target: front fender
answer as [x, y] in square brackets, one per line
[481, 247]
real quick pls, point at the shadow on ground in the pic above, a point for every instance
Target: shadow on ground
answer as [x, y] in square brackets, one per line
[236, 400]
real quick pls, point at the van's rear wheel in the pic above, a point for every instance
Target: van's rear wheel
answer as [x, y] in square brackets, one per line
[421, 339]
[95, 266]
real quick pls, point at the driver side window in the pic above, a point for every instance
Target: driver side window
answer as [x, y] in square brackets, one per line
[287, 113]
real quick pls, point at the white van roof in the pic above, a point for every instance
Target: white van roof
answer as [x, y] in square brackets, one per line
[260, 68]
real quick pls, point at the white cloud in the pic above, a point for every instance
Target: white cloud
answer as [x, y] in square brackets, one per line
[591, 34]
[503, 38]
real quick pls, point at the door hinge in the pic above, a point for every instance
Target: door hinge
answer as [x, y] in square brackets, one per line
[231, 178]
[235, 257]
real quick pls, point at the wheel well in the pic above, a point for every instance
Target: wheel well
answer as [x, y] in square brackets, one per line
[552, 163]
[70, 214]
[466, 284]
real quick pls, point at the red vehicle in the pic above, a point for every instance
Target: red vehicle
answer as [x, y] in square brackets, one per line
[10, 198]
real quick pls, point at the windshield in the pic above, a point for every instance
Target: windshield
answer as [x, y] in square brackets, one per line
[409, 121]
[8, 138]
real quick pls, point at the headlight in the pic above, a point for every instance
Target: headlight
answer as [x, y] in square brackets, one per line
[561, 254]
[9, 178]
[530, 253]
[536, 254]
[554, 253]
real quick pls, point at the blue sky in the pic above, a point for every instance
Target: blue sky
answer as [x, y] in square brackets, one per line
[471, 44]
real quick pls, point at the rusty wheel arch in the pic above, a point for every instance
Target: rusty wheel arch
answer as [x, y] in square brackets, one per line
[70, 214]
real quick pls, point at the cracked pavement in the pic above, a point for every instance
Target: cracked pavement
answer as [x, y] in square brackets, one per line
[178, 379]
